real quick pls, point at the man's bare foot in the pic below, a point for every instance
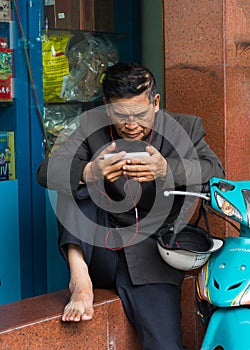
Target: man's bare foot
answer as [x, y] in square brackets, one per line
[80, 305]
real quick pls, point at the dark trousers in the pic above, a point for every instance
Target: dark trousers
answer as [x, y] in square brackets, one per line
[153, 309]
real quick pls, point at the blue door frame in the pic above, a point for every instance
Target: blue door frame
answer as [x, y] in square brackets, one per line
[22, 117]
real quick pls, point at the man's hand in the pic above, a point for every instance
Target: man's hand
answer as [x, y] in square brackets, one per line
[148, 168]
[110, 169]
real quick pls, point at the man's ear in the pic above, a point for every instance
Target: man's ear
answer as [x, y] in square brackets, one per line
[105, 101]
[157, 99]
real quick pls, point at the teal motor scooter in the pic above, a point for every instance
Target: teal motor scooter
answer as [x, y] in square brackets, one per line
[224, 281]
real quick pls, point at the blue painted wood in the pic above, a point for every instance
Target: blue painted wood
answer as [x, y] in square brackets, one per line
[10, 280]
[15, 117]
[23, 152]
[57, 270]
[127, 19]
[37, 149]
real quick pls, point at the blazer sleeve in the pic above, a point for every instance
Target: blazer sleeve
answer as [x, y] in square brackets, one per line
[41, 173]
[194, 162]
[62, 171]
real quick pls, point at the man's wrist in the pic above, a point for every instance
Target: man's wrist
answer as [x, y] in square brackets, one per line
[83, 177]
[86, 173]
[82, 180]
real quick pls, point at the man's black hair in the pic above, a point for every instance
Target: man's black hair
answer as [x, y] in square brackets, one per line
[125, 80]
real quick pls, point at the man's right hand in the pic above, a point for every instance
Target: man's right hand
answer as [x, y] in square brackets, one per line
[111, 169]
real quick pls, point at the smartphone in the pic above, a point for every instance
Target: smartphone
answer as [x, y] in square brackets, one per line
[129, 155]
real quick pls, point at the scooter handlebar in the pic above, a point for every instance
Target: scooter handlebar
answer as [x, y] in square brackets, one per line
[186, 193]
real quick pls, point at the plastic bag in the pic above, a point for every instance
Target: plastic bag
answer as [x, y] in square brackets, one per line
[55, 65]
[61, 120]
[88, 59]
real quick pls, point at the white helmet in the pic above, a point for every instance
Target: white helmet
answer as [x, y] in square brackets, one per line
[192, 247]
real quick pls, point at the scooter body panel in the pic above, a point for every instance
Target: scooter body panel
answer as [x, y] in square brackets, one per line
[228, 328]
[224, 281]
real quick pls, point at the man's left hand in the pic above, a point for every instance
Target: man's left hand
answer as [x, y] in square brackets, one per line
[148, 168]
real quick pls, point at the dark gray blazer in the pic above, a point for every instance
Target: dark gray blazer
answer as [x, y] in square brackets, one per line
[85, 213]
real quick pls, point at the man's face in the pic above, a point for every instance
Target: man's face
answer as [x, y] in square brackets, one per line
[133, 117]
